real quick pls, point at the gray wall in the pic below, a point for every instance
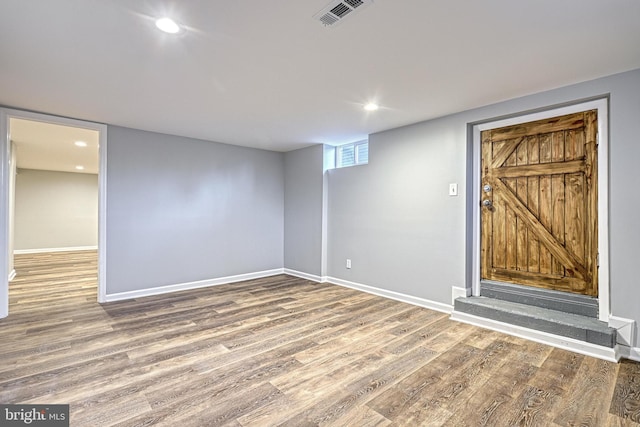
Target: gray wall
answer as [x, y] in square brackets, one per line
[303, 209]
[182, 210]
[55, 210]
[394, 219]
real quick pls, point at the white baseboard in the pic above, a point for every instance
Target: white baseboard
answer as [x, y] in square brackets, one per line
[421, 302]
[12, 275]
[303, 275]
[631, 353]
[44, 250]
[588, 349]
[190, 285]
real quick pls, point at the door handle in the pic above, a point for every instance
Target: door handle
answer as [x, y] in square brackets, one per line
[487, 203]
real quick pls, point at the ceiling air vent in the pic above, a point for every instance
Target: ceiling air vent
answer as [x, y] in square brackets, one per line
[335, 12]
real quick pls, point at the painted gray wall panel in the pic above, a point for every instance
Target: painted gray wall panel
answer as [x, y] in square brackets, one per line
[55, 210]
[182, 210]
[303, 210]
[394, 219]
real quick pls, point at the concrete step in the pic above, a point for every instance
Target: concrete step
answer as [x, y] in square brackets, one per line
[583, 328]
[544, 298]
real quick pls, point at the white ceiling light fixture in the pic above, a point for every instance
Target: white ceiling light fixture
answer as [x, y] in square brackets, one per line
[80, 144]
[167, 25]
[371, 106]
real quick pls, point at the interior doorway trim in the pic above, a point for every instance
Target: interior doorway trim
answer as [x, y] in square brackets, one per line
[5, 115]
[602, 105]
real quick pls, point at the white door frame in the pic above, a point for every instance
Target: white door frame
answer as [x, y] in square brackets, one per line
[602, 105]
[5, 115]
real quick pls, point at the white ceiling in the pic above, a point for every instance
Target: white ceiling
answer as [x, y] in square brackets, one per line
[266, 74]
[51, 147]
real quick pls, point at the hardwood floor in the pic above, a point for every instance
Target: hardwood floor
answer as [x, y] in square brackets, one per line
[284, 351]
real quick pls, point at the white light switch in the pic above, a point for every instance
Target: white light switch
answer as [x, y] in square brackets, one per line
[453, 189]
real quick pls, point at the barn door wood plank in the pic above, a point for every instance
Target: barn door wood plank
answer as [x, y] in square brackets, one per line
[557, 198]
[591, 178]
[499, 219]
[544, 236]
[511, 226]
[545, 201]
[574, 166]
[533, 190]
[554, 124]
[522, 252]
[487, 248]
[535, 279]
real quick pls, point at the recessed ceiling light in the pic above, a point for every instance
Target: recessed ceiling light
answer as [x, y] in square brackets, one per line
[371, 106]
[80, 168]
[80, 144]
[168, 25]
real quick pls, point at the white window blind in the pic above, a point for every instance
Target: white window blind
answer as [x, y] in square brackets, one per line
[355, 153]
[362, 153]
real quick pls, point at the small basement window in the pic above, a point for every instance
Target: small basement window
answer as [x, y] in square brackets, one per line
[355, 153]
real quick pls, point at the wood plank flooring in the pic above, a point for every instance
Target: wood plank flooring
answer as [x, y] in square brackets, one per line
[283, 351]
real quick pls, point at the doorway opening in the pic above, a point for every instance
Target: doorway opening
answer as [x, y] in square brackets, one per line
[61, 163]
[539, 231]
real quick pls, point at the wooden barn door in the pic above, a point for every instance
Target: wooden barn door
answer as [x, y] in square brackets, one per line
[539, 204]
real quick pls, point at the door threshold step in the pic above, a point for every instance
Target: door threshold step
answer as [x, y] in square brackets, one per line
[564, 302]
[583, 328]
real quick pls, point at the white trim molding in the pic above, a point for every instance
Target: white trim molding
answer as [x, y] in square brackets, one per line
[409, 299]
[5, 115]
[631, 353]
[303, 275]
[602, 105]
[4, 212]
[119, 296]
[457, 292]
[626, 330]
[45, 250]
[102, 215]
[577, 346]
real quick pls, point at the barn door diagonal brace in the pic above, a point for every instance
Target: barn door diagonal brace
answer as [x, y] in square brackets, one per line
[545, 237]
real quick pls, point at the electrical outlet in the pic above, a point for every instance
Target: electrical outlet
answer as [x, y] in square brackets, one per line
[453, 189]
[348, 263]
